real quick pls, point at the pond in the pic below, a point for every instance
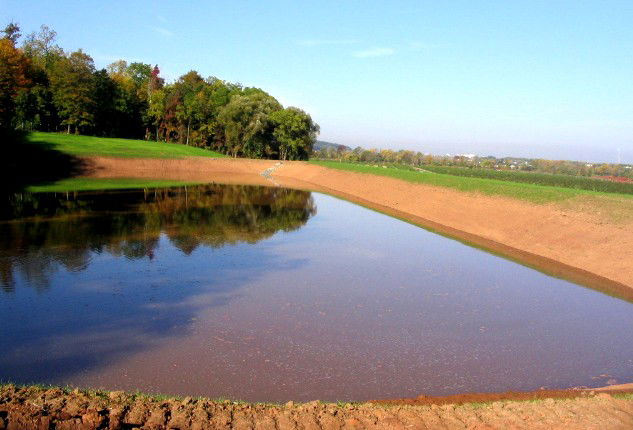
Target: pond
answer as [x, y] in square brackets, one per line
[271, 294]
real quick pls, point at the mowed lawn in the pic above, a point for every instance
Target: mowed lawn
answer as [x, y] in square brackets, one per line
[87, 146]
[530, 192]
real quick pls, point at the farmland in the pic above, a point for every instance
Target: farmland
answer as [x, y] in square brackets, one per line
[533, 192]
[565, 181]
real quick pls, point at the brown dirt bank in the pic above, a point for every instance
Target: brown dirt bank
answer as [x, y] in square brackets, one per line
[39, 408]
[576, 241]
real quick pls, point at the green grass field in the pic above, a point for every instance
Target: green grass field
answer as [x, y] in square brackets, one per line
[565, 181]
[86, 146]
[524, 191]
[93, 184]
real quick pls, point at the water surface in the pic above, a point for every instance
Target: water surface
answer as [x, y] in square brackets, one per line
[268, 294]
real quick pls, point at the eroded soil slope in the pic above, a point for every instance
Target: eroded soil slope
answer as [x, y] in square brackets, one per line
[38, 408]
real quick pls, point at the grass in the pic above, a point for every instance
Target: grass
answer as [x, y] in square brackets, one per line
[132, 396]
[93, 184]
[525, 191]
[89, 146]
[566, 181]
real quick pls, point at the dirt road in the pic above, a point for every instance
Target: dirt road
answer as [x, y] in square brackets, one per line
[582, 243]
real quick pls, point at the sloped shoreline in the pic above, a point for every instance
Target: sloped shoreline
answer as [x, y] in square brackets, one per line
[33, 407]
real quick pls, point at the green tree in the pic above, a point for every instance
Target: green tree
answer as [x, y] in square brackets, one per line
[295, 133]
[11, 32]
[157, 109]
[73, 88]
[37, 110]
[187, 88]
[247, 125]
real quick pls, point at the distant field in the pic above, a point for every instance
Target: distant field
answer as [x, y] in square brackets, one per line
[566, 181]
[90, 184]
[86, 146]
[536, 193]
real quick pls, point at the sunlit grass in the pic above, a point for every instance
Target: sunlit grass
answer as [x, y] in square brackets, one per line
[534, 193]
[93, 184]
[89, 146]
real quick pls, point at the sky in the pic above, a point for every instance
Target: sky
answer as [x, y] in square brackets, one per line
[550, 79]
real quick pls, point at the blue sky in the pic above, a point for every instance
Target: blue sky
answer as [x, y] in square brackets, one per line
[535, 78]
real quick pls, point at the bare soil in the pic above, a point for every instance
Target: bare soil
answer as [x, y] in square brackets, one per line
[581, 241]
[39, 408]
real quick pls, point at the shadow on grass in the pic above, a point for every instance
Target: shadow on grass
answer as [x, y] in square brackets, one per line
[24, 164]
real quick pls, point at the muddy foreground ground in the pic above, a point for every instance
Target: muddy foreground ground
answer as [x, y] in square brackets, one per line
[39, 408]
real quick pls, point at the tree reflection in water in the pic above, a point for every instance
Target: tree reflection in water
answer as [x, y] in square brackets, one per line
[40, 232]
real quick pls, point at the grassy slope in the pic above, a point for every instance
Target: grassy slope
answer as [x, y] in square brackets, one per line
[84, 146]
[91, 184]
[523, 191]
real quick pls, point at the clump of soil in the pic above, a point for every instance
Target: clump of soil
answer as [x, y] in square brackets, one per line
[54, 408]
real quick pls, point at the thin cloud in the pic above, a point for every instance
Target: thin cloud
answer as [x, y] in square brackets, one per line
[374, 52]
[162, 31]
[422, 46]
[324, 42]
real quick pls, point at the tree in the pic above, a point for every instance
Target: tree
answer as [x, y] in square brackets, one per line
[37, 110]
[157, 109]
[247, 125]
[14, 79]
[40, 48]
[44, 88]
[131, 99]
[110, 111]
[11, 32]
[214, 94]
[187, 87]
[295, 133]
[73, 88]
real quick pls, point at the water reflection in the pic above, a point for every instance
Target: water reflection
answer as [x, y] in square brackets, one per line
[40, 232]
[95, 277]
[140, 290]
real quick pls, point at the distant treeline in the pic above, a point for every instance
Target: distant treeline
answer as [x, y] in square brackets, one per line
[44, 88]
[476, 163]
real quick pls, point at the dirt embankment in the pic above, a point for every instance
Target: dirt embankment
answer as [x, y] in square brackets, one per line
[582, 245]
[38, 408]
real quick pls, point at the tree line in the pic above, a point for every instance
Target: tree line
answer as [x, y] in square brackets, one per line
[422, 160]
[43, 87]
